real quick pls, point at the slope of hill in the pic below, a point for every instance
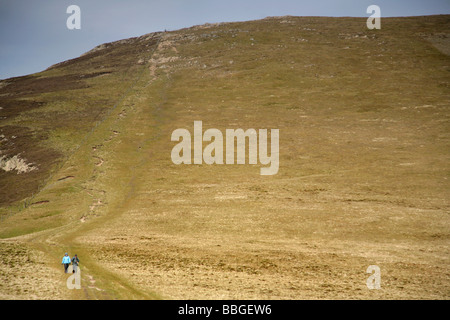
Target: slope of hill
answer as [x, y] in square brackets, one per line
[363, 179]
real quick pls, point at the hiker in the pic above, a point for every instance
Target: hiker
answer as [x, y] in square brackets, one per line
[66, 261]
[75, 262]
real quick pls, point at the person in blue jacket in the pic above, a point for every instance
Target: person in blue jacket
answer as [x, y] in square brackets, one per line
[66, 261]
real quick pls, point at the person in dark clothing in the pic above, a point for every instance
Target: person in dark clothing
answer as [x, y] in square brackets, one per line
[75, 262]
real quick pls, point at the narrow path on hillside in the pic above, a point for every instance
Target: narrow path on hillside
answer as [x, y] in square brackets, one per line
[98, 282]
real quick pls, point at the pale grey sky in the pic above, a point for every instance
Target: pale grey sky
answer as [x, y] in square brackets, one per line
[33, 34]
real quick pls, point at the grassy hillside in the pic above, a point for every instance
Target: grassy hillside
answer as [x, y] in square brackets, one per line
[363, 180]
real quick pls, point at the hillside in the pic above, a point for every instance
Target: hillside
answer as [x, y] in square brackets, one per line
[363, 119]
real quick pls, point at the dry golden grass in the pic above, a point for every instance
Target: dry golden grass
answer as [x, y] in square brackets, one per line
[363, 180]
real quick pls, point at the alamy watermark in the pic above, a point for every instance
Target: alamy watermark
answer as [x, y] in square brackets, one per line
[213, 152]
[374, 281]
[74, 20]
[74, 281]
[374, 21]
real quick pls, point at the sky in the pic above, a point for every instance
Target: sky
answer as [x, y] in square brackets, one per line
[34, 34]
